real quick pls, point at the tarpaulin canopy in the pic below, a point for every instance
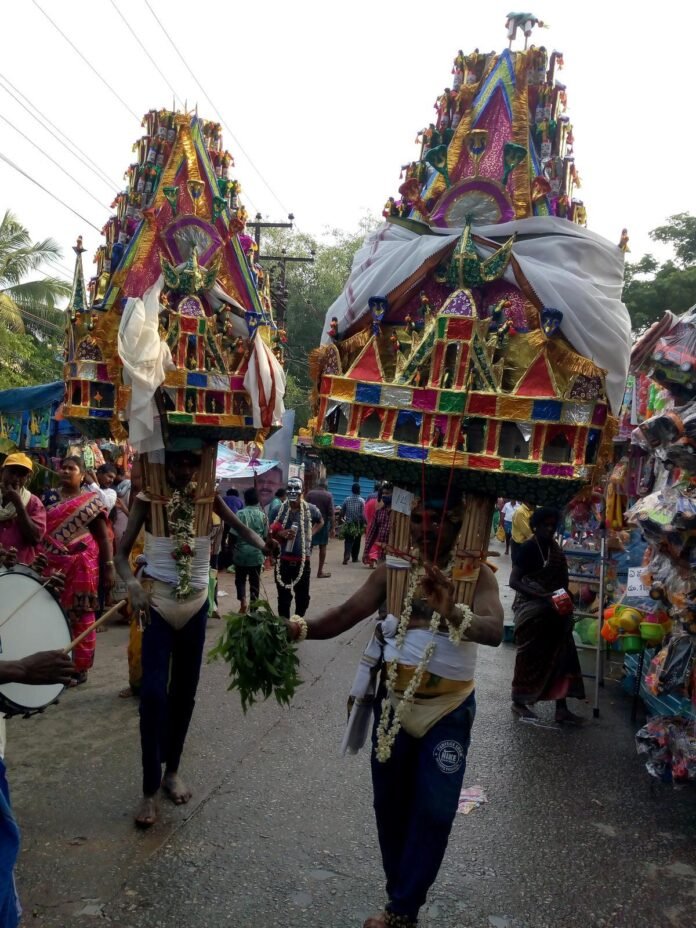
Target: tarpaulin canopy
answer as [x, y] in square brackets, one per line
[231, 465]
[17, 399]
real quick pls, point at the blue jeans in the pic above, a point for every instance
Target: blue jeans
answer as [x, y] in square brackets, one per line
[171, 661]
[9, 848]
[416, 793]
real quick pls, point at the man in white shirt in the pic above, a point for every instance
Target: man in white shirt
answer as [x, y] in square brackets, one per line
[102, 483]
[509, 510]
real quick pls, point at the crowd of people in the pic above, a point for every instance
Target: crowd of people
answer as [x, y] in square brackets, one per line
[93, 525]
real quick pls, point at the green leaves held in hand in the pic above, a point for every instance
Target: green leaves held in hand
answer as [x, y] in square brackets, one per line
[262, 660]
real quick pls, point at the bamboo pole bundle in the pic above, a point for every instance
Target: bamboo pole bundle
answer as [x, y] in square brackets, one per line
[206, 492]
[156, 488]
[397, 580]
[471, 545]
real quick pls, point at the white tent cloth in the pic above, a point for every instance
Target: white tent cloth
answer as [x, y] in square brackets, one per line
[264, 381]
[570, 269]
[146, 359]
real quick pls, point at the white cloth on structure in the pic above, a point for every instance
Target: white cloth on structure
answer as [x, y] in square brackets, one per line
[264, 375]
[570, 269]
[146, 358]
[160, 565]
[451, 661]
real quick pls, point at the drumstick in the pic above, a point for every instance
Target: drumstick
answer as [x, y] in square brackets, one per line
[25, 601]
[90, 628]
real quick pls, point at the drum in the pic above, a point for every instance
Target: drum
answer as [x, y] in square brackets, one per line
[30, 620]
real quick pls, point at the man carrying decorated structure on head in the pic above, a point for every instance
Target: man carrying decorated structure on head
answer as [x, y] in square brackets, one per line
[175, 343]
[479, 350]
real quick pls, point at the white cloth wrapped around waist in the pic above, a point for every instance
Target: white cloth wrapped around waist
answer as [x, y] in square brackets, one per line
[160, 565]
[450, 661]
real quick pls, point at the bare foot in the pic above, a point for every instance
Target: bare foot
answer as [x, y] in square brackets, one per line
[524, 712]
[375, 921]
[175, 788]
[126, 693]
[146, 816]
[324, 576]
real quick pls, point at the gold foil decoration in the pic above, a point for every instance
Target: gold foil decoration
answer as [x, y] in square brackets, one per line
[521, 187]
[514, 408]
[343, 390]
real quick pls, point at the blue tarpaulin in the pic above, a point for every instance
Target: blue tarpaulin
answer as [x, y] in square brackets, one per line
[17, 399]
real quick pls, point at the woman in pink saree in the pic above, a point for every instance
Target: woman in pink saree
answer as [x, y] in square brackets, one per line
[77, 544]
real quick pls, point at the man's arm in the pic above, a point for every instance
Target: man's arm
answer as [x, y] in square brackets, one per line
[361, 605]
[32, 531]
[40, 668]
[139, 602]
[243, 531]
[486, 625]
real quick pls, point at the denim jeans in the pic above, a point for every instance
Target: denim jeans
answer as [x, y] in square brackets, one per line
[171, 666]
[10, 910]
[416, 793]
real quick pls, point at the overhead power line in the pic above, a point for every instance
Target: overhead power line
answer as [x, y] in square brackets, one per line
[52, 160]
[46, 190]
[42, 119]
[86, 61]
[216, 110]
[154, 63]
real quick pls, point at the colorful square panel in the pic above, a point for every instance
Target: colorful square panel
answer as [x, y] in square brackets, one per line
[196, 380]
[521, 467]
[482, 404]
[343, 389]
[425, 399]
[514, 408]
[478, 461]
[411, 453]
[600, 414]
[459, 329]
[444, 458]
[323, 441]
[557, 470]
[396, 397]
[577, 413]
[452, 401]
[368, 393]
[350, 444]
[547, 410]
[383, 449]
[442, 327]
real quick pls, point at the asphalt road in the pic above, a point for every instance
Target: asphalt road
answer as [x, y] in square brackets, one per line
[280, 831]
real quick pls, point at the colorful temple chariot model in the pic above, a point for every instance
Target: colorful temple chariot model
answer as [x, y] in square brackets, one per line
[177, 292]
[480, 342]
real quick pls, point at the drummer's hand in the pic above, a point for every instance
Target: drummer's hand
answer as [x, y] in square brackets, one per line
[438, 590]
[46, 667]
[139, 602]
[11, 495]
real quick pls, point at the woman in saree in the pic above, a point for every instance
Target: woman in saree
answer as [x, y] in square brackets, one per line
[547, 665]
[77, 544]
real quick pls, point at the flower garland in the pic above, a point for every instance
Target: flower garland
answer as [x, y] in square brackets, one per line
[391, 718]
[305, 527]
[181, 510]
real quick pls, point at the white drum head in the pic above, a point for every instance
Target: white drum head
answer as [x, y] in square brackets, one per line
[38, 625]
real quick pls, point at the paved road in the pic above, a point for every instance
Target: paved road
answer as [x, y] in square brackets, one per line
[280, 832]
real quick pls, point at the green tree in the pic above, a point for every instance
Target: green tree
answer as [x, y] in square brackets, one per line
[651, 288]
[31, 324]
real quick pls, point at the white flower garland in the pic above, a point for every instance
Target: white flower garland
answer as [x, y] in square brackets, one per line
[305, 526]
[181, 510]
[390, 719]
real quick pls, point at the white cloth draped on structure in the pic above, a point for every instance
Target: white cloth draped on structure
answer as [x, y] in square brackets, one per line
[146, 358]
[570, 269]
[264, 381]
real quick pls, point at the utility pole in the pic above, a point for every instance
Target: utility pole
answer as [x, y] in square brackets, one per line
[279, 264]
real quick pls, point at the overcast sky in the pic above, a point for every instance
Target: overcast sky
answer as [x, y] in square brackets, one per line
[326, 98]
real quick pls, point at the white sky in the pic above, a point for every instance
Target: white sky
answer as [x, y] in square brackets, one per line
[326, 99]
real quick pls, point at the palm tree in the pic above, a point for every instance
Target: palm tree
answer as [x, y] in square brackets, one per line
[28, 305]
